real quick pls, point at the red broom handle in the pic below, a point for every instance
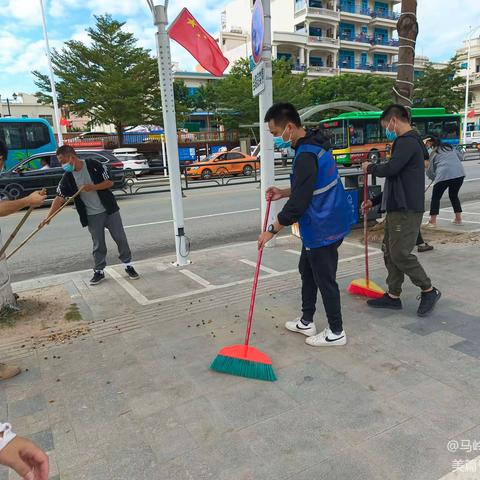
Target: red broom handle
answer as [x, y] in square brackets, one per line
[365, 225]
[255, 278]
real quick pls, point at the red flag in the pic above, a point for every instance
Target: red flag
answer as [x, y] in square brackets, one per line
[471, 114]
[186, 31]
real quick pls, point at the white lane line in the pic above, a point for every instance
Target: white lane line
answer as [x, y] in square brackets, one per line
[471, 180]
[127, 286]
[161, 222]
[359, 245]
[295, 252]
[355, 257]
[142, 300]
[262, 267]
[196, 278]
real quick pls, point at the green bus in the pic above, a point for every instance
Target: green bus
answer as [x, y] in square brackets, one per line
[358, 136]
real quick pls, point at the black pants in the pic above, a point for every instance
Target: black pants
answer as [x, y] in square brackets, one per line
[439, 188]
[420, 240]
[318, 269]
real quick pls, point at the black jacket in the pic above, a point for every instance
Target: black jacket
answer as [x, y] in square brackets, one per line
[405, 175]
[305, 177]
[98, 173]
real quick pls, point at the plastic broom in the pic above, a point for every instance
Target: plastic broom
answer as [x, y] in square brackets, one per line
[245, 360]
[365, 286]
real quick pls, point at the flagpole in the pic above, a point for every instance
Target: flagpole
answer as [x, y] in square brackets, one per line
[159, 13]
[267, 166]
[52, 79]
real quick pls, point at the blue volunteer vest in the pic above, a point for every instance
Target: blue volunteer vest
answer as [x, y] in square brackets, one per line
[328, 216]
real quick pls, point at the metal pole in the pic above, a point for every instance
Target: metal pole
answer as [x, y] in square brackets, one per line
[267, 166]
[8, 106]
[52, 79]
[465, 119]
[170, 129]
[164, 157]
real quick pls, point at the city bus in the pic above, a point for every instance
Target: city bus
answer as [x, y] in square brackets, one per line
[25, 137]
[358, 136]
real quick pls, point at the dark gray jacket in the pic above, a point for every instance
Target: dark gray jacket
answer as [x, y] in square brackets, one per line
[404, 175]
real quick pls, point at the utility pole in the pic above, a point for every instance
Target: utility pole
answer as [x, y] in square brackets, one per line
[467, 84]
[267, 165]
[52, 78]
[407, 27]
[160, 18]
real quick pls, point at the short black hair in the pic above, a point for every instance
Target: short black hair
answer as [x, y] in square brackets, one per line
[65, 150]
[3, 149]
[282, 113]
[395, 111]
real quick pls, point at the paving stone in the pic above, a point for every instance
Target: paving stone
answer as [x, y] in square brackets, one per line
[26, 406]
[43, 439]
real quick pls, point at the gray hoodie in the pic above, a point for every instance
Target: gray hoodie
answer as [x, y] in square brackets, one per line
[445, 165]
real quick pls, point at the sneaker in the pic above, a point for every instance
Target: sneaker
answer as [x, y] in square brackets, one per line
[428, 301]
[327, 339]
[424, 248]
[8, 371]
[97, 278]
[132, 274]
[385, 302]
[299, 327]
[429, 225]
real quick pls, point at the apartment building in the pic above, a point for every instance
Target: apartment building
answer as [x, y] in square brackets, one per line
[324, 37]
[474, 75]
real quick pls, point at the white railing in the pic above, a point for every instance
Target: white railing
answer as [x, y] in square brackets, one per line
[323, 40]
[315, 69]
[318, 12]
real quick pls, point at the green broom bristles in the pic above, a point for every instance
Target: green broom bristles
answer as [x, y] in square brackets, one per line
[243, 368]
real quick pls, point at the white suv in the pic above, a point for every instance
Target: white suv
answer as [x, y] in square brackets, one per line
[134, 163]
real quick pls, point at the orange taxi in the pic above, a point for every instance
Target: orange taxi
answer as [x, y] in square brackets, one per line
[223, 164]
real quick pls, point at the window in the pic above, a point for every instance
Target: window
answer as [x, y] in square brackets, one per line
[24, 116]
[419, 126]
[235, 156]
[48, 118]
[356, 134]
[37, 135]
[435, 128]
[12, 135]
[373, 132]
[99, 158]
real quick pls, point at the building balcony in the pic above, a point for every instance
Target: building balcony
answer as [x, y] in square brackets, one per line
[351, 11]
[389, 45]
[317, 13]
[327, 42]
[316, 71]
[367, 68]
[475, 79]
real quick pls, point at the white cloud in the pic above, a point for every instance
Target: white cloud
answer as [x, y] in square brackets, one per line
[443, 25]
[26, 12]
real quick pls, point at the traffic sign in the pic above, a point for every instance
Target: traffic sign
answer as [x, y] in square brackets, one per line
[258, 79]
[258, 31]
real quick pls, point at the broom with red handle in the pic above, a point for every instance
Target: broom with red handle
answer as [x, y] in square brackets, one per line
[365, 286]
[245, 360]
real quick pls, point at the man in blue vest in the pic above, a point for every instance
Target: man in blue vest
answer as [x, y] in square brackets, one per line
[317, 201]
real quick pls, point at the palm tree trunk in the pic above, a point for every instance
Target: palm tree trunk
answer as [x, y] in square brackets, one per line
[407, 27]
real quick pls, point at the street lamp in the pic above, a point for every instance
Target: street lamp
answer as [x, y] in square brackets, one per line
[160, 20]
[465, 119]
[14, 98]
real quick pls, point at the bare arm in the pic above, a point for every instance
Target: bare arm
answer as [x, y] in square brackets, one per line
[35, 199]
[56, 204]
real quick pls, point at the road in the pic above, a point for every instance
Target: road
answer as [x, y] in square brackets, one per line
[214, 216]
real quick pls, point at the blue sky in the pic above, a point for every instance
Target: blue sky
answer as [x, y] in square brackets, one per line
[442, 27]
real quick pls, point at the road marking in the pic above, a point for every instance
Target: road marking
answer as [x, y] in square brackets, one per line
[196, 278]
[295, 252]
[142, 300]
[128, 287]
[194, 218]
[471, 180]
[359, 245]
[262, 267]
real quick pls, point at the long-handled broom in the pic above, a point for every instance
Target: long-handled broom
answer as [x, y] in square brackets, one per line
[245, 360]
[365, 286]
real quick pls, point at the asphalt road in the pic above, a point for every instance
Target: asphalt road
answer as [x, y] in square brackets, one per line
[214, 216]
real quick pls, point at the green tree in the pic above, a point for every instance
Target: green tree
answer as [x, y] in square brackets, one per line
[440, 87]
[110, 80]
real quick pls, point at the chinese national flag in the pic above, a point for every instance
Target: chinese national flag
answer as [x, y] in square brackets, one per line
[186, 31]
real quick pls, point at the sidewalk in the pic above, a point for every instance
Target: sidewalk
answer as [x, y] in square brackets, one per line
[134, 398]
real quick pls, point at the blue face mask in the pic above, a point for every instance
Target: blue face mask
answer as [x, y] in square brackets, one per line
[280, 143]
[430, 150]
[390, 134]
[68, 167]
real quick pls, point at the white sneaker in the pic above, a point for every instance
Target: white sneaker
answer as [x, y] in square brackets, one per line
[327, 339]
[297, 326]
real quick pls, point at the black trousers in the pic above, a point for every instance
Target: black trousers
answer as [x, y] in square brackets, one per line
[439, 188]
[318, 269]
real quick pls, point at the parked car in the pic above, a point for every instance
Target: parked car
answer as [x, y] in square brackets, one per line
[28, 175]
[472, 139]
[134, 163]
[222, 164]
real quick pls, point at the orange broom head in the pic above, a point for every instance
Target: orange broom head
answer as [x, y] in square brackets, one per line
[242, 352]
[365, 288]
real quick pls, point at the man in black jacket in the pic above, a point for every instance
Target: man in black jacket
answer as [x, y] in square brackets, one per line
[403, 199]
[96, 206]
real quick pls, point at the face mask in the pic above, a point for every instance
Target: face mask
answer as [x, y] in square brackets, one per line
[390, 134]
[430, 150]
[68, 167]
[279, 142]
